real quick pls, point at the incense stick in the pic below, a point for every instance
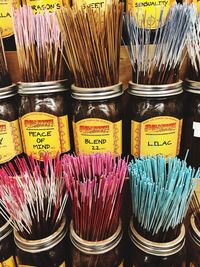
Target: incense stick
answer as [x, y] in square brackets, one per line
[4, 75]
[33, 197]
[39, 46]
[161, 194]
[193, 47]
[159, 61]
[92, 39]
[96, 183]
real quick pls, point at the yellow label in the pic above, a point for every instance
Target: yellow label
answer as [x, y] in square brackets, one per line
[6, 25]
[8, 263]
[159, 135]
[151, 9]
[121, 264]
[197, 3]
[10, 140]
[96, 135]
[40, 6]
[21, 265]
[92, 3]
[43, 132]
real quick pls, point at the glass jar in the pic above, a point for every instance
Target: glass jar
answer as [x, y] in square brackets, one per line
[191, 123]
[7, 247]
[154, 119]
[51, 251]
[45, 118]
[193, 243]
[10, 139]
[97, 119]
[145, 253]
[103, 253]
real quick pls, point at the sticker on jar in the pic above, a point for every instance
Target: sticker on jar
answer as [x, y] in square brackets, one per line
[41, 6]
[121, 264]
[22, 265]
[196, 3]
[8, 263]
[158, 135]
[151, 9]
[96, 135]
[44, 133]
[196, 128]
[10, 140]
[6, 25]
[91, 3]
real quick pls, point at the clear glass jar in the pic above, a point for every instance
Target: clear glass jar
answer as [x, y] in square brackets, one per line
[97, 119]
[193, 243]
[7, 246]
[10, 138]
[191, 123]
[146, 253]
[45, 118]
[108, 252]
[51, 251]
[154, 119]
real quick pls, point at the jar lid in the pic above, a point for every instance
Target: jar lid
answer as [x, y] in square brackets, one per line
[40, 245]
[194, 231]
[5, 230]
[43, 87]
[96, 247]
[155, 90]
[192, 86]
[8, 91]
[97, 93]
[155, 248]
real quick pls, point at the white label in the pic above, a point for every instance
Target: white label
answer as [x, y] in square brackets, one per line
[196, 128]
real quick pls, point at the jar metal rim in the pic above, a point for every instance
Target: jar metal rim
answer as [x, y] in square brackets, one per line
[8, 91]
[194, 231]
[192, 86]
[162, 90]
[99, 93]
[155, 248]
[96, 247]
[44, 244]
[5, 230]
[43, 87]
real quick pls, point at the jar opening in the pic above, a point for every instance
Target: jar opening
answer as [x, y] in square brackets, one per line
[43, 87]
[155, 90]
[36, 246]
[155, 248]
[96, 247]
[5, 229]
[194, 230]
[101, 93]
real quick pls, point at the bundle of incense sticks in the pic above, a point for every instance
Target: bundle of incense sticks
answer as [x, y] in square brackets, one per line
[193, 47]
[33, 197]
[161, 194]
[39, 46]
[4, 75]
[96, 183]
[92, 39]
[195, 207]
[157, 57]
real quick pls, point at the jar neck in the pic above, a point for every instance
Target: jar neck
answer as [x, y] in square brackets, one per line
[194, 230]
[43, 87]
[162, 90]
[5, 230]
[8, 91]
[40, 245]
[101, 93]
[192, 86]
[155, 248]
[96, 247]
